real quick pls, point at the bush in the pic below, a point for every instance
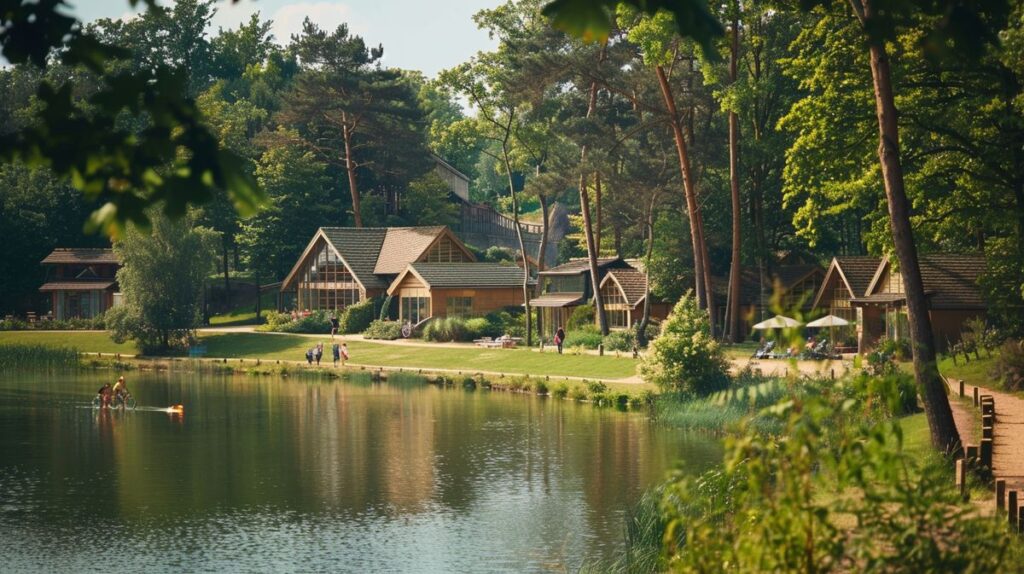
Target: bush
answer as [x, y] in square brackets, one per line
[97, 323]
[356, 318]
[386, 330]
[560, 391]
[898, 349]
[588, 337]
[1009, 367]
[540, 387]
[596, 387]
[582, 317]
[620, 340]
[685, 358]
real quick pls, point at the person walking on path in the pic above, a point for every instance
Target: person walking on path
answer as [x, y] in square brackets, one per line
[336, 351]
[309, 356]
[319, 353]
[334, 325]
[559, 338]
[344, 354]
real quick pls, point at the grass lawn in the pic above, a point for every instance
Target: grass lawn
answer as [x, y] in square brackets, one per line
[976, 372]
[84, 341]
[743, 350]
[519, 361]
[243, 314]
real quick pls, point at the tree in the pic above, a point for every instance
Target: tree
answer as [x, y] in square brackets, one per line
[162, 273]
[122, 169]
[351, 111]
[685, 357]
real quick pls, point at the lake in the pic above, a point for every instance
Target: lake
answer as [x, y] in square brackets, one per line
[275, 474]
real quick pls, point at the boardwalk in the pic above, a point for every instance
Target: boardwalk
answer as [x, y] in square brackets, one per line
[1008, 431]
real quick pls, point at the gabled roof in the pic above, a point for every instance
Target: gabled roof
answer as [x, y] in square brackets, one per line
[470, 275]
[632, 284]
[952, 278]
[359, 248]
[750, 284]
[403, 245]
[77, 285]
[582, 265]
[449, 167]
[568, 299]
[81, 255]
[855, 271]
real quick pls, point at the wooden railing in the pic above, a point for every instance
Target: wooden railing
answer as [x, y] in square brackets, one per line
[477, 218]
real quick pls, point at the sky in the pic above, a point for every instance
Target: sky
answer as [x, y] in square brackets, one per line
[425, 35]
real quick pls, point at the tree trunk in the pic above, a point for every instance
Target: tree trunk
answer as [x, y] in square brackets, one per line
[522, 245]
[597, 199]
[732, 326]
[933, 391]
[588, 231]
[545, 211]
[227, 278]
[692, 209]
[645, 319]
[350, 169]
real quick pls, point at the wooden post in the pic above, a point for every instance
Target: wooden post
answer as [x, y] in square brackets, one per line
[986, 453]
[975, 396]
[986, 432]
[961, 477]
[972, 455]
[961, 387]
[1011, 508]
[987, 420]
[1020, 519]
[1001, 494]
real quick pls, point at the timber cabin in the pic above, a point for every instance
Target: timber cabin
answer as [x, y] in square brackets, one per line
[81, 282]
[951, 286]
[847, 278]
[427, 269]
[624, 294]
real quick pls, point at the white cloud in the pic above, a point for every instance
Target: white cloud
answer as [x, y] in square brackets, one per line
[230, 14]
[327, 15]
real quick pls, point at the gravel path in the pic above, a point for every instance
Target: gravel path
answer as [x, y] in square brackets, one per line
[1008, 431]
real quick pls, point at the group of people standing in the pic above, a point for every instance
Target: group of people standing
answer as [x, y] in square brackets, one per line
[339, 352]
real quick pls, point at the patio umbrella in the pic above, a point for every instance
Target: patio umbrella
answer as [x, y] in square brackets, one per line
[777, 322]
[829, 321]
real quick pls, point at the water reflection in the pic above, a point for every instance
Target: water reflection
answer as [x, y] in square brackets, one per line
[270, 474]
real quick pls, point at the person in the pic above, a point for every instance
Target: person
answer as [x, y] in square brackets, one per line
[344, 353]
[105, 394]
[120, 387]
[336, 351]
[559, 338]
[810, 344]
[309, 356]
[334, 325]
[319, 353]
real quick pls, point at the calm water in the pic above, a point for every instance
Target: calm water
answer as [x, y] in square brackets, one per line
[280, 475]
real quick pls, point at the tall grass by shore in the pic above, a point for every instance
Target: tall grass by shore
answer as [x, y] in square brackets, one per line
[720, 411]
[37, 356]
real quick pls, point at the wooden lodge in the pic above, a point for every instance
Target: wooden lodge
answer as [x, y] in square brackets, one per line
[81, 282]
[427, 269]
[950, 284]
[789, 289]
[624, 294]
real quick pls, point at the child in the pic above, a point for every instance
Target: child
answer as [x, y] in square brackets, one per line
[344, 353]
[309, 356]
[319, 353]
[336, 351]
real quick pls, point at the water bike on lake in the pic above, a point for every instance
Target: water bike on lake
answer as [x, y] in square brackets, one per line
[116, 397]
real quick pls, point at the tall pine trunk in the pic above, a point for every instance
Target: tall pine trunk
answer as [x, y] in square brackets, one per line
[692, 208]
[588, 230]
[732, 326]
[933, 391]
[350, 169]
[597, 200]
[522, 244]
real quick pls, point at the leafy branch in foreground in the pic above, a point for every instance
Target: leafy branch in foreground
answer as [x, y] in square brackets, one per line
[173, 160]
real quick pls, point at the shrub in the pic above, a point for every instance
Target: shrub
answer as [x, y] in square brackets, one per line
[581, 318]
[620, 340]
[561, 391]
[898, 349]
[386, 330]
[540, 387]
[578, 393]
[685, 357]
[588, 337]
[1009, 367]
[597, 387]
[356, 318]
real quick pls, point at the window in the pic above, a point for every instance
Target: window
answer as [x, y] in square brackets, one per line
[459, 306]
[415, 309]
[446, 252]
[617, 318]
[325, 283]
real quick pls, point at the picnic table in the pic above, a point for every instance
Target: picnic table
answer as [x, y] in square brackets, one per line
[504, 342]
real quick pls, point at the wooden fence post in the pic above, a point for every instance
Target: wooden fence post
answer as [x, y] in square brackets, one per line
[975, 396]
[986, 453]
[1000, 494]
[961, 477]
[1011, 507]
[986, 432]
[987, 420]
[961, 387]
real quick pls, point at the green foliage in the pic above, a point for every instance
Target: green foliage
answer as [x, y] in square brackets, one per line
[356, 318]
[588, 337]
[835, 458]
[161, 282]
[560, 391]
[685, 358]
[621, 340]
[1009, 367]
[582, 318]
[386, 330]
[97, 323]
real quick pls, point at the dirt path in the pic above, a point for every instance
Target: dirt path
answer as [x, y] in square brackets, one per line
[1008, 431]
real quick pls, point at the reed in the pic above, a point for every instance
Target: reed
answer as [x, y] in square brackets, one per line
[37, 357]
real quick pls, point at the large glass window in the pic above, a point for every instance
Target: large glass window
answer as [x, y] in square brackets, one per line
[415, 309]
[325, 283]
[446, 252]
[459, 306]
[616, 310]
